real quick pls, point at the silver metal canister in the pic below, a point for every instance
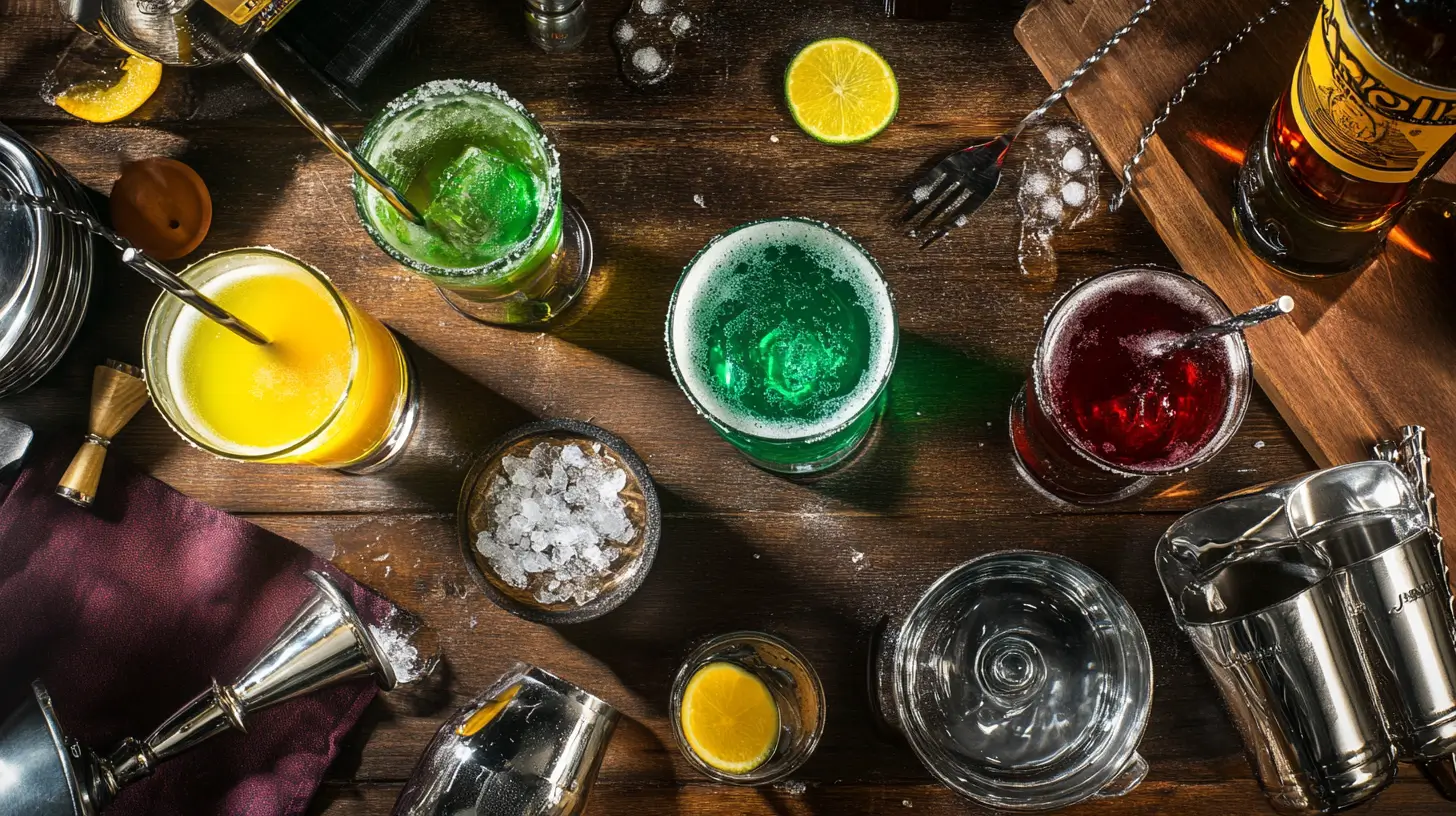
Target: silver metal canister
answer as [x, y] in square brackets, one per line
[529, 746]
[1270, 628]
[1321, 607]
[1366, 518]
[556, 25]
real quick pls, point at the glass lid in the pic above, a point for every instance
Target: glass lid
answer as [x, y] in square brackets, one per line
[1023, 681]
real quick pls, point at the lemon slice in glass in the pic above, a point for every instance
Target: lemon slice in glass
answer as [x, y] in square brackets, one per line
[840, 91]
[729, 718]
[98, 101]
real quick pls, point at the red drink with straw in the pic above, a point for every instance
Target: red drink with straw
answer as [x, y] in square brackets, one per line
[1111, 402]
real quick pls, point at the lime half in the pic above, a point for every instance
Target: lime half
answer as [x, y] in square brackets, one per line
[840, 91]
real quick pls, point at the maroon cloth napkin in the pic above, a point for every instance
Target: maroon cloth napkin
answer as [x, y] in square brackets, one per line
[128, 611]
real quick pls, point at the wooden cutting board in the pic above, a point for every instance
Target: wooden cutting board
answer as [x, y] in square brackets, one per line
[1365, 352]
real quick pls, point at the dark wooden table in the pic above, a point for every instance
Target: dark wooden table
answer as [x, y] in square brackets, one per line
[740, 548]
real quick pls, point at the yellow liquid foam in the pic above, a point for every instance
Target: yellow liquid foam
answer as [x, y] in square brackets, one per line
[248, 400]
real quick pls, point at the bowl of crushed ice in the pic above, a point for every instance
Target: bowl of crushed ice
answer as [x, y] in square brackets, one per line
[559, 521]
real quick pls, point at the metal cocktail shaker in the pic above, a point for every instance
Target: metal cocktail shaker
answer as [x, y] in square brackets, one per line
[1320, 607]
[529, 746]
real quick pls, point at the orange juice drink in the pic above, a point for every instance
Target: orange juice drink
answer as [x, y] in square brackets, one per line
[331, 388]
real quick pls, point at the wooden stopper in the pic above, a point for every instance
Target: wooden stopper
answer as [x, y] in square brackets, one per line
[117, 393]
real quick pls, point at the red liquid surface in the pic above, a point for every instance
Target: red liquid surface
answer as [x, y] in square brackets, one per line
[1116, 394]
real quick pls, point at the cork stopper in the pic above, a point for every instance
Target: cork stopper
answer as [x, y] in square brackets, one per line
[117, 393]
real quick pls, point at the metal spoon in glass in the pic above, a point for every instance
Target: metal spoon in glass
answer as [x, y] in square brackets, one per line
[149, 268]
[1278, 307]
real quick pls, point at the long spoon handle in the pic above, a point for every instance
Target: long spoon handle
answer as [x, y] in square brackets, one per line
[140, 261]
[334, 141]
[1278, 307]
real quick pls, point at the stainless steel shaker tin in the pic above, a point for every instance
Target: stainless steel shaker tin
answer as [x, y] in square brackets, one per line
[1023, 681]
[1319, 606]
[529, 746]
[47, 267]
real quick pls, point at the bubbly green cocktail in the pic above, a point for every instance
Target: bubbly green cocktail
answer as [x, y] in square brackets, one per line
[783, 334]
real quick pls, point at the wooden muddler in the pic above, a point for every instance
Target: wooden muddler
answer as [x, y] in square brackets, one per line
[117, 393]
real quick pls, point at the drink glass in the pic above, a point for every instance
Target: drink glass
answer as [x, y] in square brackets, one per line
[790, 679]
[503, 246]
[1105, 409]
[332, 389]
[782, 333]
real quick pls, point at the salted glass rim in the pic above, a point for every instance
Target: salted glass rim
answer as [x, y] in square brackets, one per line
[442, 90]
[892, 321]
[1240, 388]
[155, 344]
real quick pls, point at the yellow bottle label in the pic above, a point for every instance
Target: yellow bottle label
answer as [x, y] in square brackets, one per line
[1361, 115]
[241, 11]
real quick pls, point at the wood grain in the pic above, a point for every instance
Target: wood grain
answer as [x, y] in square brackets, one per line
[740, 548]
[1365, 352]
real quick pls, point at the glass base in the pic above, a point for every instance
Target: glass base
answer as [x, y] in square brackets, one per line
[1273, 221]
[1080, 483]
[829, 464]
[570, 271]
[393, 445]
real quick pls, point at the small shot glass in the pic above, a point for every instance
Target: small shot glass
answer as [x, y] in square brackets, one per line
[790, 679]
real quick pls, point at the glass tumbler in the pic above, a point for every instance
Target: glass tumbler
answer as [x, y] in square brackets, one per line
[790, 679]
[1110, 403]
[500, 167]
[333, 388]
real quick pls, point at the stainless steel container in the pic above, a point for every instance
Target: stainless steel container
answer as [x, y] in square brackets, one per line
[1023, 681]
[529, 746]
[555, 26]
[47, 267]
[1320, 607]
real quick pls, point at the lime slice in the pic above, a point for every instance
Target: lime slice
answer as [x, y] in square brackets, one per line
[97, 101]
[840, 91]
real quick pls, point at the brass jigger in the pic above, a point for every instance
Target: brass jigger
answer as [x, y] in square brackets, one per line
[50, 774]
[117, 393]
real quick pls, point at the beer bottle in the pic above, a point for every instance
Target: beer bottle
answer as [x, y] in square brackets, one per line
[1369, 115]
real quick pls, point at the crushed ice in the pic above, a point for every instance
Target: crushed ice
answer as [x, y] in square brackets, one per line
[554, 515]
[1058, 189]
[394, 637]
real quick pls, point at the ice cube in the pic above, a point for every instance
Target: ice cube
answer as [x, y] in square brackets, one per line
[482, 200]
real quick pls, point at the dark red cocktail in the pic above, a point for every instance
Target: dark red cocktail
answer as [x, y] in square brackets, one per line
[1110, 404]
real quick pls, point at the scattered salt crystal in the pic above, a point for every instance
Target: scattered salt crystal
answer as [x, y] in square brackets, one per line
[1259, 444]
[556, 513]
[700, 201]
[384, 557]
[625, 32]
[1051, 207]
[1058, 134]
[387, 570]
[756, 556]
[1074, 193]
[792, 787]
[473, 622]
[1074, 160]
[906, 803]
[681, 24]
[650, 6]
[773, 138]
[855, 556]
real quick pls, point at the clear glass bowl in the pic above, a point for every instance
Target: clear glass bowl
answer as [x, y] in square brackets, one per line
[1023, 681]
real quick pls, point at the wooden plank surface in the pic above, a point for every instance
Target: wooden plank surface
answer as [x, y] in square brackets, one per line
[1365, 352]
[937, 489]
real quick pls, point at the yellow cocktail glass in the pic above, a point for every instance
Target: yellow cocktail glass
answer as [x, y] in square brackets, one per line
[332, 388]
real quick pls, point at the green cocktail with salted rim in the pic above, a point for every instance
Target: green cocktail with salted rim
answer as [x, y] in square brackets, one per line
[499, 239]
[783, 334]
